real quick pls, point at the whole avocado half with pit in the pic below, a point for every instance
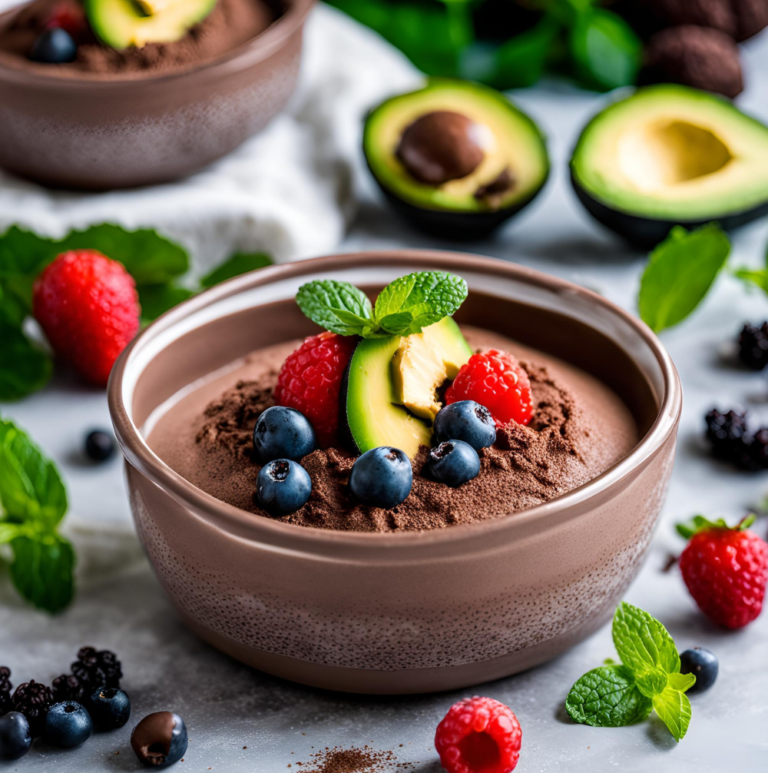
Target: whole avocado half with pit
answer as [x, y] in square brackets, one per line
[671, 155]
[134, 23]
[389, 393]
[455, 158]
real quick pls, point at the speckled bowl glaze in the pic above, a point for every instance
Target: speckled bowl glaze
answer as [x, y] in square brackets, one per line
[100, 134]
[398, 612]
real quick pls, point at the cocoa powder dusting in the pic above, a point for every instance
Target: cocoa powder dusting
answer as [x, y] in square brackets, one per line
[352, 760]
[229, 25]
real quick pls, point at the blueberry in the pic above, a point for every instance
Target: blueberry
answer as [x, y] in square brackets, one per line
[382, 477]
[282, 433]
[468, 421]
[160, 739]
[453, 462]
[99, 445]
[702, 664]
[283, 486]
[54, 46]
[15, 736]
[110, 708]
[68, 725]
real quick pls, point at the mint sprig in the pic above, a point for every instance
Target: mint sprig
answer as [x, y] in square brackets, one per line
[405, 306]
[649, 679]
[33, 501]
[155, 262]
[679, 274]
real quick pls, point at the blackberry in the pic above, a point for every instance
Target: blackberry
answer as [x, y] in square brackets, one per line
[732, 441]
[6, 704]
[33, 700]
[67, 687]
[97, 668]
[753, 346]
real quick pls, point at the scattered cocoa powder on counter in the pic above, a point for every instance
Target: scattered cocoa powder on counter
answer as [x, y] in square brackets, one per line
[352, 760]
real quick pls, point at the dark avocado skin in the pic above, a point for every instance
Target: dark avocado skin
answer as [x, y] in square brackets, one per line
[647, 232]
[456, 226]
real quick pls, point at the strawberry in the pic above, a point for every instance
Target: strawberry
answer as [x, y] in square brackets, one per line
[725, 569]
[89, 309]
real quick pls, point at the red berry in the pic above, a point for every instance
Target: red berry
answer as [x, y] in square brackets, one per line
[496, 380]
[69, 16]
[89, 309]
[310, 381]
[726, 571]
[479, 735]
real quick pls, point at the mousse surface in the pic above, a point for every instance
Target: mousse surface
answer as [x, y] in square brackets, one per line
[229, 25]
[579, 429]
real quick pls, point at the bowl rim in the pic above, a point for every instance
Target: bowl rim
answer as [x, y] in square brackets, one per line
[245, 55]
[254, 528]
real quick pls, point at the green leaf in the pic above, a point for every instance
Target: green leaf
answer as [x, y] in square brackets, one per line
[642, 642]
[24, 366]
[9, 531]
[605, 50]
[674, 710]
[679, 274]
[396, 324]
[320, 300]
[681, 682]
[157, 299]
[521, 61]
[757, 277]
[651, 682]
[43, 570]
[428, 296]
[607, 697]
[149, 258]
[239, 263]
[701, 523]
[30, 485]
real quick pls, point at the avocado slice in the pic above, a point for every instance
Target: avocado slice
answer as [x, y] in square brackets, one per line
[455, 158]
[134, 23]
[671, 155]
[385, 382]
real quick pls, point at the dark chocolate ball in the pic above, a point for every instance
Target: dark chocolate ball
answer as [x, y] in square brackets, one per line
[160, 739]
[694, 56]
[440, 146]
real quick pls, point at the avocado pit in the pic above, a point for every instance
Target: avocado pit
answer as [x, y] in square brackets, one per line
[440, 146]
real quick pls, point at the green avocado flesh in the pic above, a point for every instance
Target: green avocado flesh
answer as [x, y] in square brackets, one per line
[673, 153]
[130, 23]
[512, 144]
[374, 399]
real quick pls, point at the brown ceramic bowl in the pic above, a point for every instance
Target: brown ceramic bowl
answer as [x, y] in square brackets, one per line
[97, 134]
[398, 612]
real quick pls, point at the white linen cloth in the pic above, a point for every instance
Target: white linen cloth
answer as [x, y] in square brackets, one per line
[289, 191]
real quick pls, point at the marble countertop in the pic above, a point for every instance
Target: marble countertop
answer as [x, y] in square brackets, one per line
[228, 707]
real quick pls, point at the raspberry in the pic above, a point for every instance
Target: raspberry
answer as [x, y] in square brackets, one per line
[496, 380]
[753, 346]
[89, 309]
[310, 381]
[479, 735]
[725, 570]
[70, 16]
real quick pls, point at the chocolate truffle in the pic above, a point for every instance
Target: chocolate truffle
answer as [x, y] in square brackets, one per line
[701, 57]
[160, 739]
[440, 146]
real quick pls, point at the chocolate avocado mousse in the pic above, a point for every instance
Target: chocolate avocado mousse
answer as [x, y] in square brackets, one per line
[122, 38]
[374, 398]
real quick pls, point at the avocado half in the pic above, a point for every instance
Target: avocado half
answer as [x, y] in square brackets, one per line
[134, 23]
[388, 387]
[670, 155]
[513, 148]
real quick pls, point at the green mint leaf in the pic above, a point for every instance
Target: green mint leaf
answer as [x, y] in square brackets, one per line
[681, 682]
[157, 299]
[679, 274]
[9, 531]
[605, 50]
[239, 263]
[651, 682]
[607, 697]
[149, 258]
[757, 277]
[13, 307]
[427, 295]
[30, 485]
[674, 710]
[43, 570]
[24, 366]
[321, 300]
[397, 324]
[642, 642]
